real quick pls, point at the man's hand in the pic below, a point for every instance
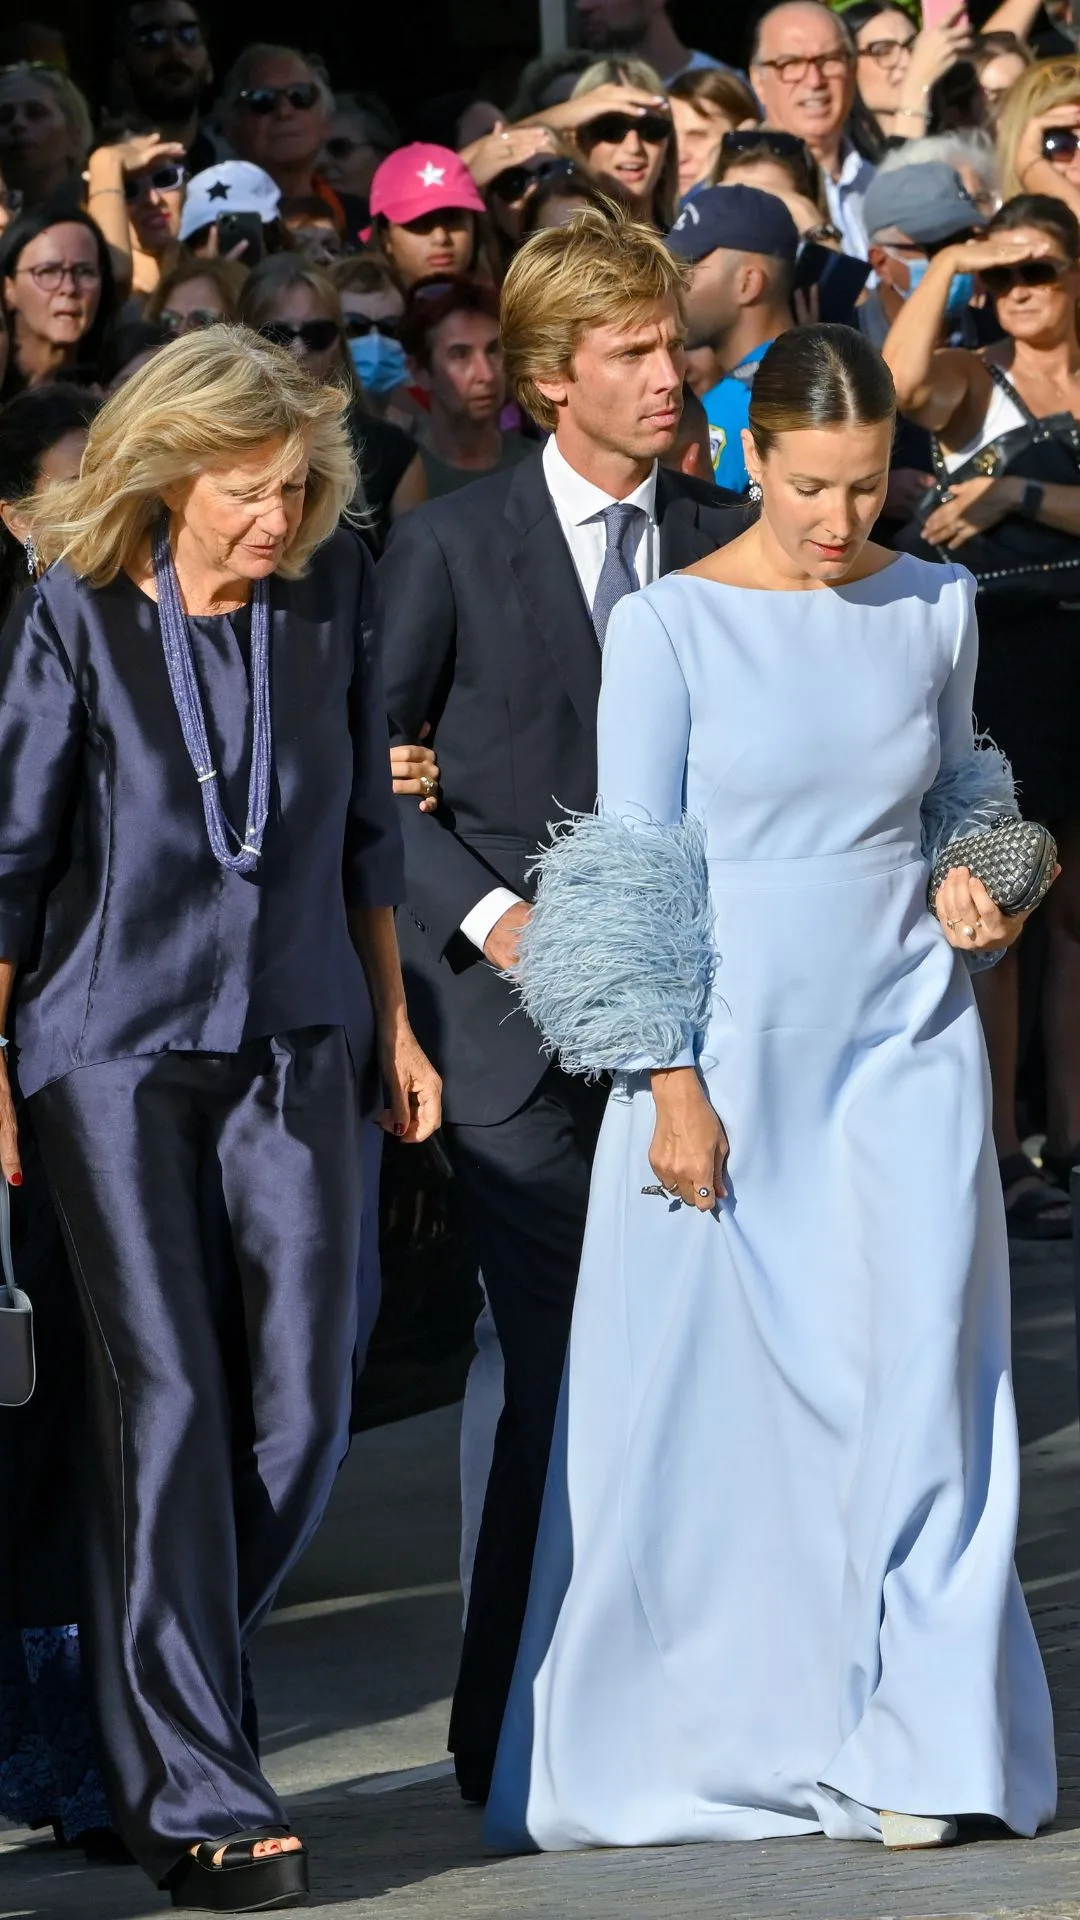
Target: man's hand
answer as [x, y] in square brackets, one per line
[501, 945]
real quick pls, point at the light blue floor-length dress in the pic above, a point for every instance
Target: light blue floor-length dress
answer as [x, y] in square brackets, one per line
[774, 1589]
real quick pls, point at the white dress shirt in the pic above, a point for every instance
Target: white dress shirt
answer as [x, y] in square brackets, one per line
[578, 505]
[844, 197]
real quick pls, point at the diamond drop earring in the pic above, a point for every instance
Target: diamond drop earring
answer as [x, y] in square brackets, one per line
[755, 493]
[31, 556]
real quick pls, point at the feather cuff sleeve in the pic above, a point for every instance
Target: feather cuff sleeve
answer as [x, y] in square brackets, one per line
[968, 796]
[617, 961]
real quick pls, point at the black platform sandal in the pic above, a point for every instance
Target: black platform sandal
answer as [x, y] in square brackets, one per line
[1060, 1166]
[240, 1883]
[1035, 1211]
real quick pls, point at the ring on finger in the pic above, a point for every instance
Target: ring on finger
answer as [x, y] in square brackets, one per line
[428, 786]
[704, 1193]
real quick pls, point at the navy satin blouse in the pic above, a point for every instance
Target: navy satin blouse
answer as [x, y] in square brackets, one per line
[131, 938]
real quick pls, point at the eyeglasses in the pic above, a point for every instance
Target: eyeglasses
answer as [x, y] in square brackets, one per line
[613, 128]
[358, 326]
[51, 274]
[339, 146]
[315, 336]
[165, 179]
[1060, 144]
[1025, 273]
[886, 54]
[301, 96]
[191, 322]
[791, 68]
[188, 33]
[513, 183]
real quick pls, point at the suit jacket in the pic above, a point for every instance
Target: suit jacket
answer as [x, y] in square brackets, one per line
[487, 635]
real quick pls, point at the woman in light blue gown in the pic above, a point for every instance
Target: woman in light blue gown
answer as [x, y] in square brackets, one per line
[774, 1590]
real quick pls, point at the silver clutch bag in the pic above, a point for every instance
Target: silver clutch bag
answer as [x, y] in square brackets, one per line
[1015, 861]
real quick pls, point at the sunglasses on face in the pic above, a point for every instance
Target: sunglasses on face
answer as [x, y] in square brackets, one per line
[301, 96]
[193, 322]
[153, 39]
[358, 326]
[513, 183]
[613, 128]
[1060, 144]
[165, 179]
[1025, 273]
[340, 146]
[315, 336]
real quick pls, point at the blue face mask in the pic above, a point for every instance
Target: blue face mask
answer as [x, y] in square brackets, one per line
[961, 288]
[380, 363]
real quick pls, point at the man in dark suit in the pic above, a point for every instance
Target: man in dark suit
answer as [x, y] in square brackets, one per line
[496, 602]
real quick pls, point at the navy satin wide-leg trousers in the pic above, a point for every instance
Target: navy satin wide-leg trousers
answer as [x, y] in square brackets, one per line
[211, 1204]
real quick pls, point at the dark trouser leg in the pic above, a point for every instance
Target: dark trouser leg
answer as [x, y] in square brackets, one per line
[211, 1466]
[525, 1184]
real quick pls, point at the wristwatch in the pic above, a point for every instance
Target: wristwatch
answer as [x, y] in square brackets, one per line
[1031, 499]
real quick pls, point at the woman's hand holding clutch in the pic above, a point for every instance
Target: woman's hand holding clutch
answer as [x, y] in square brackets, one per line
[689, 1146]
[972, 920]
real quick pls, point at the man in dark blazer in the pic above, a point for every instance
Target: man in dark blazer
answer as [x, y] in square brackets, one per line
[495, 605]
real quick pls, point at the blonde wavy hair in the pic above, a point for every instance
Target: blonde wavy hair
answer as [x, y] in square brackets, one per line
[202, 401]
[1049, 83]
[637, 74]
[602, 270]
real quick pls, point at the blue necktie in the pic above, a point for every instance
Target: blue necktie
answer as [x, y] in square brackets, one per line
[617, 575]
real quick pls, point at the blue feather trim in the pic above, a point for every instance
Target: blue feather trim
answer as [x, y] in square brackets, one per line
[617, 961]
[969, 797]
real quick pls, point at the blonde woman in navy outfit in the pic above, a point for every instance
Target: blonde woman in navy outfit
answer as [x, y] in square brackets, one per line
[199, 863]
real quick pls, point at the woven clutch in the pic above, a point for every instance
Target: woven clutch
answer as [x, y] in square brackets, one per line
[1015, 861]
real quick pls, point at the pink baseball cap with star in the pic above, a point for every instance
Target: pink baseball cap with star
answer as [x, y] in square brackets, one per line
[420, 179]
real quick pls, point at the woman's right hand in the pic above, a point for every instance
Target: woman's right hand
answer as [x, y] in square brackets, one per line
[10, 1164]
[689, 1145]
[999, 250]
[613, 97]
[507, 147]
[1030, 146]
[934, 51]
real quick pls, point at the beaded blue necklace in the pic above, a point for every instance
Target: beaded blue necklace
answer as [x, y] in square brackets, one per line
[239, 855]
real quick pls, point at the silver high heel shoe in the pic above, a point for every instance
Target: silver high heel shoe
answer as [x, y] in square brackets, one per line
[910, 1830]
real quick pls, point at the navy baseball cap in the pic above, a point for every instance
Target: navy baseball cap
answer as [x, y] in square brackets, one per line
[743, 219]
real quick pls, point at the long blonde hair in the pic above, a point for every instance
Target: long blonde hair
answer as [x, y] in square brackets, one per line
[202, 400]
[1049, 83]
[639, 75]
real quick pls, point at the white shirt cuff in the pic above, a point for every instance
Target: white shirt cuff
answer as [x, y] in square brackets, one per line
[480, 919]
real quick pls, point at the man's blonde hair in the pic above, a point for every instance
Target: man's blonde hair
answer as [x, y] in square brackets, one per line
[602, 270]
[202, 401]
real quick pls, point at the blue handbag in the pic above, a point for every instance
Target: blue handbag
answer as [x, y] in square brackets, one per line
[17, 1368]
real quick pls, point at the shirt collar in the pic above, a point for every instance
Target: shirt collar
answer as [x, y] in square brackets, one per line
[852, 167]
[577, 499]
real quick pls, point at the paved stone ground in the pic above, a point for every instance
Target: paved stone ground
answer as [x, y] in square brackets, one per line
[353, 1676]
